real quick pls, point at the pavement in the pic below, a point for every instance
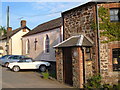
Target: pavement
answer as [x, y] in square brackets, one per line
[27, 79]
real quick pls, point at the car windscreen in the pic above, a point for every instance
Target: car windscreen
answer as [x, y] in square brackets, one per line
[3, 57]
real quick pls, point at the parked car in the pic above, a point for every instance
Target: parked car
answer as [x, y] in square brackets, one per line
[28, 63]
[5, 60]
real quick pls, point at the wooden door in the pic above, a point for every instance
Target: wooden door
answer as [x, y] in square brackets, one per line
[67, 66]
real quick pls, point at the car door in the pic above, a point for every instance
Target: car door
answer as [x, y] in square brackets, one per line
[27, 64]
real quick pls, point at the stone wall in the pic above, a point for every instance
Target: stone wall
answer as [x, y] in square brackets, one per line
[81, 68]
[79, 21]
[76, 67]
[59, 64]
[106, 65]
[108, 75]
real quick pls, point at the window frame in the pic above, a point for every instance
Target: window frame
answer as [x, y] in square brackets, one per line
[114, 15]
[27, 46]
[47, 44]
[116, 59]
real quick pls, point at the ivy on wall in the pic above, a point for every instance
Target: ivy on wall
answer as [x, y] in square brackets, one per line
[111, 30]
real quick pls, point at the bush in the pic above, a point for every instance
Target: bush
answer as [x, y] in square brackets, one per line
[53, 74]
[94, 82]
[45, 75]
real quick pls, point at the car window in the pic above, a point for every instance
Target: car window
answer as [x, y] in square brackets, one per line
[22, 61]
[28, 60]
[14, 57]
[6, 56]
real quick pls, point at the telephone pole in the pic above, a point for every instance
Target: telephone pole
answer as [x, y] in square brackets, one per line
[7, 16]
[7, 45]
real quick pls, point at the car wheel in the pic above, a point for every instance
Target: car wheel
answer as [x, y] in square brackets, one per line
[16, 68]
[6, 64]
[42, 68]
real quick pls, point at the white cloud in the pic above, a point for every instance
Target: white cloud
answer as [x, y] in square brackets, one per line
[50, 7]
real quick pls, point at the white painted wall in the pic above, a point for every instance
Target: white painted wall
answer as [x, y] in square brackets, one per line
[39, 54]
[16, 45]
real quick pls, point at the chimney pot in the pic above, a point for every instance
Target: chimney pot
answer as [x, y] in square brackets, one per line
[23, 23]
[9, 29]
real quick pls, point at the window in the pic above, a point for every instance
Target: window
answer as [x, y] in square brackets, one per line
[47, 44]
[114, 15]
[35, 43]
[116, 59]
[14, 57]
[27, 46]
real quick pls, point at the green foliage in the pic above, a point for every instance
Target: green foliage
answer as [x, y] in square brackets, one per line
[106, 86]
[53, 74]
[2, 31]
[93, 82]
[111, 87]
[93, 26]
[45, 75]
[111, 30]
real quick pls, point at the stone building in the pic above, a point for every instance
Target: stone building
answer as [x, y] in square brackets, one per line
[82, 53]
[110, 51]
[14, 42]
[39, 42]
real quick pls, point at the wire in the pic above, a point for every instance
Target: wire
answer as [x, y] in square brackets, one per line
[23, 16]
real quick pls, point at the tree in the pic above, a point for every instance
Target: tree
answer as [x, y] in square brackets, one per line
[2, 31]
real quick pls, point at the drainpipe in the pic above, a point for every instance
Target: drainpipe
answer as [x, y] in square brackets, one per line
[62, 15]
[98, 37]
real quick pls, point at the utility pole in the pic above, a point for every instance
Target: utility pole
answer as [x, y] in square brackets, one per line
[7, 16]
[7, 45]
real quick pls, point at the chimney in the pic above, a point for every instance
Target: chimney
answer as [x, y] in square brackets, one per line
[23, 23]
[9, 29]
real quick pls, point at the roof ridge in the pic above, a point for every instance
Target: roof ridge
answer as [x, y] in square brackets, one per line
[49, 21]
[52, 24]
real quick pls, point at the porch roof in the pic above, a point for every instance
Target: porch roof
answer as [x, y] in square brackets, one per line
[79, 40]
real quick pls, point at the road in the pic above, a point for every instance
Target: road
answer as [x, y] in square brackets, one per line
[27, 79]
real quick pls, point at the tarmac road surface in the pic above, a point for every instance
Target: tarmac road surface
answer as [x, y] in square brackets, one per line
[27, 79]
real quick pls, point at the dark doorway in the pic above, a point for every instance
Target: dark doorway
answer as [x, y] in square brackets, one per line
[67, 66]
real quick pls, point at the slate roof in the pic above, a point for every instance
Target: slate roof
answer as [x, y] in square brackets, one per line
[46, 26]
[79, 40]
[13, 32]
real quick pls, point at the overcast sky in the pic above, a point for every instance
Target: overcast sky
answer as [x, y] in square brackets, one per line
[34, 13]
